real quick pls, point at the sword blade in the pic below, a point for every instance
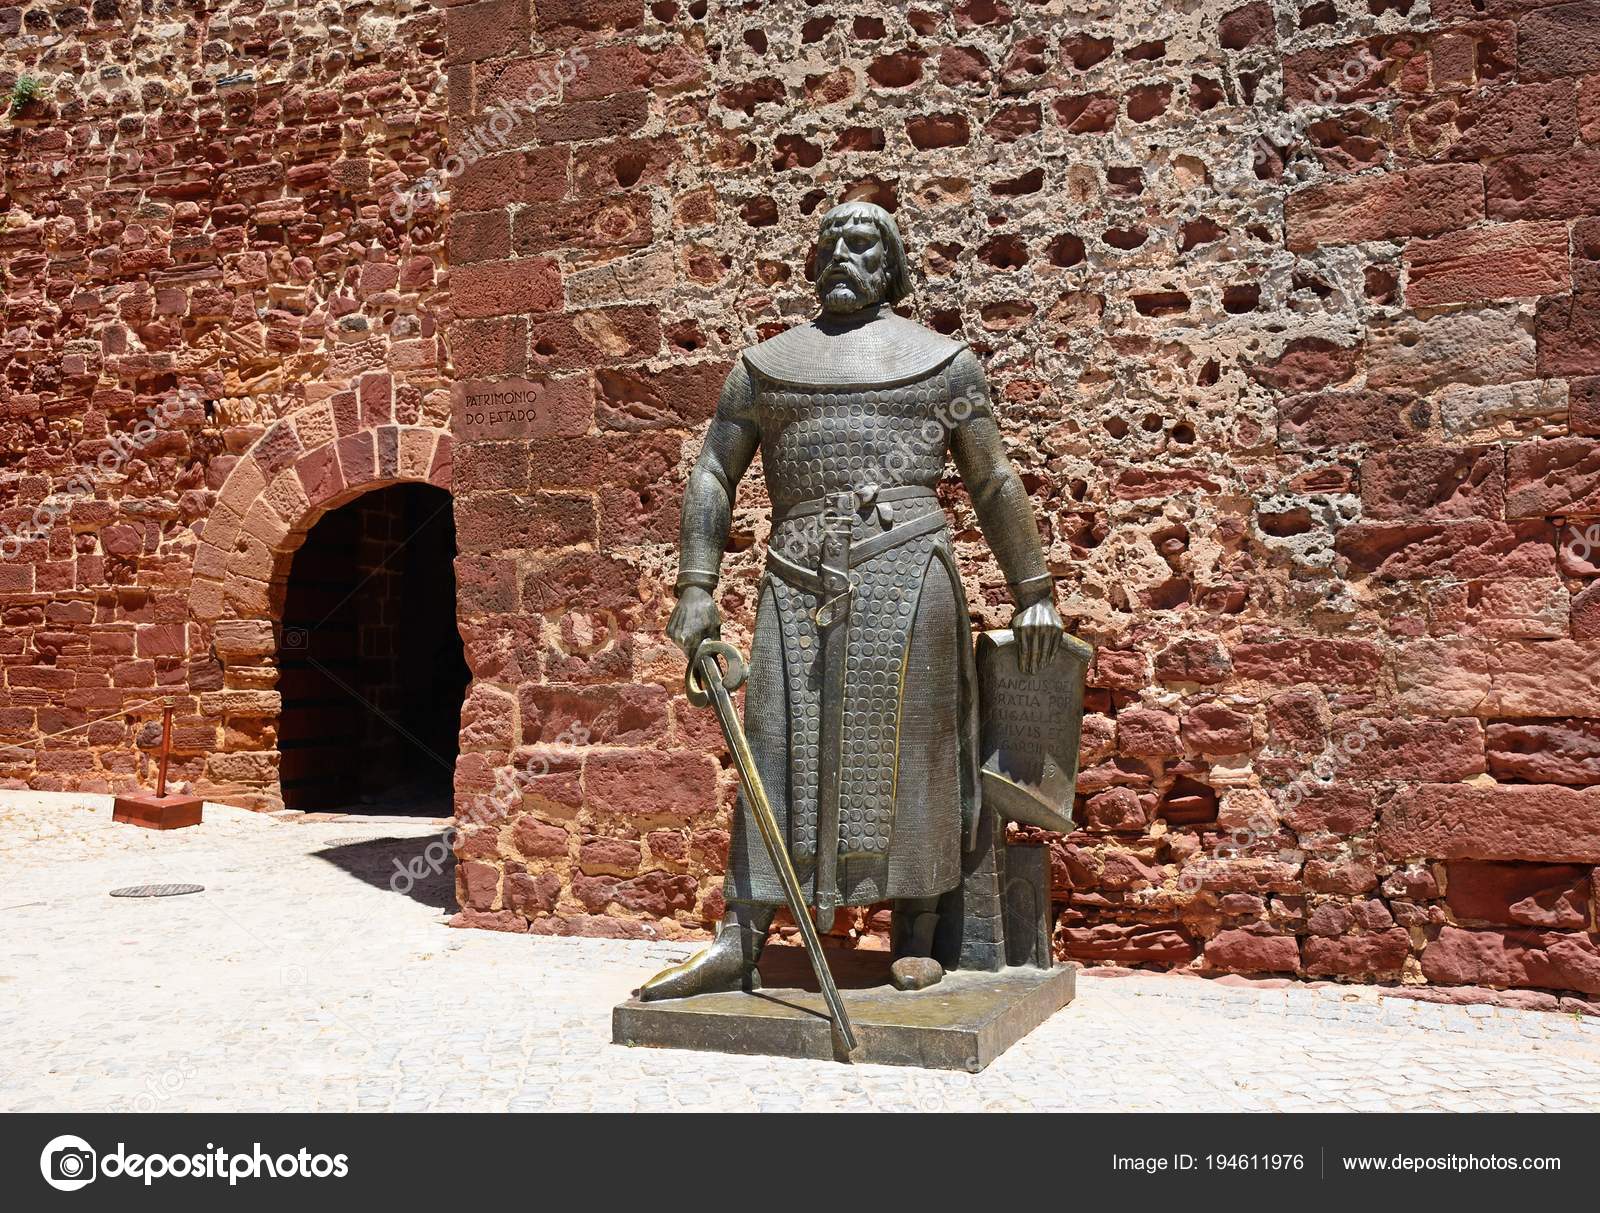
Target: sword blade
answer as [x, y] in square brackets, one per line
[833, 624]
[761, 809]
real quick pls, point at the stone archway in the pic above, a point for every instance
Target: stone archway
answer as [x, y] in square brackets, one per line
[298, 471]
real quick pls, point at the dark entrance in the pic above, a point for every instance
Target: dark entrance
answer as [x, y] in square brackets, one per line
[372, 671]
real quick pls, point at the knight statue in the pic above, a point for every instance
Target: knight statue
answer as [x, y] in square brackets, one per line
[860, 703]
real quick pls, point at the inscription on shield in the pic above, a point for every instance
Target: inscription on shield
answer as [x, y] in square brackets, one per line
[1030, 725]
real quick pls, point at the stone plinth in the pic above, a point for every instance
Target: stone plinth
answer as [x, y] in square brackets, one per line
[170, 812]
[962, 1023]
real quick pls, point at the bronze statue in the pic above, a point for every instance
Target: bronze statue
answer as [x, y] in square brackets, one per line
[861, 705]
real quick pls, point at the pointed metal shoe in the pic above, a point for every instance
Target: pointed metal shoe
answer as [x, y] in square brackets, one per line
[728, 964]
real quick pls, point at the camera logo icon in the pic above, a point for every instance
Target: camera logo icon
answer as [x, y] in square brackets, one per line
[68, 1163]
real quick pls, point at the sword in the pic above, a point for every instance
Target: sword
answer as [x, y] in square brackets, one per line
[707, 683]
[832, 619]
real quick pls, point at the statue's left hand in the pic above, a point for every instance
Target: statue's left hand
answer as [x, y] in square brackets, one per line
[1038, 630]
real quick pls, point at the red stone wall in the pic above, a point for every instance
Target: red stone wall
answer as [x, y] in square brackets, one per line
[1290, 312]
[197, 216]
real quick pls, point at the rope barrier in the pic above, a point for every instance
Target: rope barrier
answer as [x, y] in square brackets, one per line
[28, 745]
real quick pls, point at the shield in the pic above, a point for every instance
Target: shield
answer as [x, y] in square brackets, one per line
[1028, 730]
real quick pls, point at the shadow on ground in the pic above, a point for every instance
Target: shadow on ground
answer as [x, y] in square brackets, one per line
[421, 868]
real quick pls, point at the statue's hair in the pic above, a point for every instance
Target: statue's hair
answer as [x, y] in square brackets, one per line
[898, 285]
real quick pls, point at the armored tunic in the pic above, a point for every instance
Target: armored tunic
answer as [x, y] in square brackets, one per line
[860, 607]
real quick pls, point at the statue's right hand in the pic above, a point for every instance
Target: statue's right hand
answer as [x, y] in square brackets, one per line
[694, 619]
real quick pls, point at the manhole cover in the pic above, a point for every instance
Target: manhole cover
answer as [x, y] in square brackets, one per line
[158, 890]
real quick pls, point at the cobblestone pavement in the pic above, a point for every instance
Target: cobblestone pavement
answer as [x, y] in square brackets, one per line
[301, 980]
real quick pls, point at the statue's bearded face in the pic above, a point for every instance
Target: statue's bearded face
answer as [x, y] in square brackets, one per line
[852, 264]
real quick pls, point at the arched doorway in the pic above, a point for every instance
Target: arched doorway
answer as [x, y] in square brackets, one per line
[371, 669]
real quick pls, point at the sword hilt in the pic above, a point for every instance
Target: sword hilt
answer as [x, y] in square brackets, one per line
[731, 675]
[830, 612]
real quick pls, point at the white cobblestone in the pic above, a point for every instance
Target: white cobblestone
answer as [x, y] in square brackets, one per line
[300, 980]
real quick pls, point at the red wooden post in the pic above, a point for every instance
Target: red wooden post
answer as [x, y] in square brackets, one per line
[159, 811]
[166, 750]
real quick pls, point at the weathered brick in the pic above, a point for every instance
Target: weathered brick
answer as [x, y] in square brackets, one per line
[1249, 25]
[620, 221]
[1568, 332]
[1563, 40]
[485, 30]
[609, 118]
[485, 349]
[1424, 354]
[1148, 733]
[1355, 72]
[1368, 418]
[1552, 185]
[1385, 206]
[636, 790]
[1534, 823]
[1560, 476]
[320, 475]
[1418, 750]
[1549, 959]
[506, 288]
[607, 70]
[630, 398]
[492, 183]
[556, 16]
[1554, 896]
[1500, 261]
[1198, 659]
[1215, 729]
[505, 522]
[1238, 951]
[594, 338]
[1126, 943]
[1340, 808]
[1374, 954]
[1406, 550]
[1559, 751]
[1325, 661]
[480, 236]
[1494, 122]
[1434, 483]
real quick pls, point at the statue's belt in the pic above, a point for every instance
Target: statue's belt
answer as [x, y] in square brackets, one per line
[838, 553]
[831, 582]
[861, 501]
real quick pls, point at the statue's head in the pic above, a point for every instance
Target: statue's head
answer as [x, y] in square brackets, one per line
[860, 260]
